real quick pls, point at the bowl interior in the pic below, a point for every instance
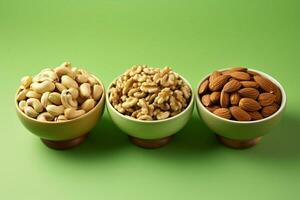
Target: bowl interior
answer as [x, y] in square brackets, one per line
[100, 101]
[155, 129]
[110, 106]
[64, 130]
[282, 105]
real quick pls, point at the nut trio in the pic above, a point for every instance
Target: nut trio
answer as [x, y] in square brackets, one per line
[146, 93]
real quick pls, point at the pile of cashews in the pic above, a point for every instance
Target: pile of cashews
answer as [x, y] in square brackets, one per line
[59, 94]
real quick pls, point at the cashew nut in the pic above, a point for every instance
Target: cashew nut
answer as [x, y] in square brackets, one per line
[60, 87]
[88, 105]
[72, 113]
[45, 99]
[45, 116]
[22, 105]
[74, 92]
[45, 86]
[92, 80]
[45, 75]
[67, 100]
[55, 110]
[29, 111]
[67, 64]
[26, 81]
[81, 78]
[97, 92]
[64, 69]
[33, 94]
[22, 94]
[85, 90]
[55, 97]
[82, 72]
[36, 104]
[60, 118]
[68, 82]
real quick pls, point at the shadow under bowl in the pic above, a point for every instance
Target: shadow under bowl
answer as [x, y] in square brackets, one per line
[240, 134]
[150, 134]
[64, 134]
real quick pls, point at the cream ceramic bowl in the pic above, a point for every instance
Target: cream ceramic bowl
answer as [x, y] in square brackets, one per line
[150, 134]
[247, 133]
[64, 134]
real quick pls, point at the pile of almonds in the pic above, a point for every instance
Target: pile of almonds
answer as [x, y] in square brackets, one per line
[240, 94]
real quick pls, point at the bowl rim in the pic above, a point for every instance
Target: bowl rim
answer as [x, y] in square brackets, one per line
[66, 121]
[272, 79]
[191, 103]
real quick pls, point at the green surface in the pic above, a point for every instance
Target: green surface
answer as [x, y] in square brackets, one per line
[106, 38]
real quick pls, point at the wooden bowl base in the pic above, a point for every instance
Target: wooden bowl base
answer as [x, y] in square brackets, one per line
[238, 144]
[65, 144]
[151, 144]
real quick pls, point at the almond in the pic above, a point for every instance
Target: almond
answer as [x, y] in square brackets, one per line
[249, 93]
[278, 95]
[234, 69]
[223, 112]
[243, 76]
[224, 99]
[214, 75]
[252, 73]
[232, 86]
[234, 98]
[266, 99]
[269, 110]
[212, 108]
[239, 114]
[249, 104]
[249, 84]
[265, 84]
[218, 82]
[215, 97]
[242, 69]
[255, 115]
[206, 100]
[240, 94]
[203, 87]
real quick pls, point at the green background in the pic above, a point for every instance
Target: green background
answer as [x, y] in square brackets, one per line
[194, 37]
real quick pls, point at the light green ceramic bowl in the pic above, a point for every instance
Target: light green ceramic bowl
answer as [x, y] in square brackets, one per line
[66, 130]
[150, 130]
[241, 130]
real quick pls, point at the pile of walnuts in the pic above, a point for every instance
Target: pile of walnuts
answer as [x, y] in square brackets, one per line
[147, 93]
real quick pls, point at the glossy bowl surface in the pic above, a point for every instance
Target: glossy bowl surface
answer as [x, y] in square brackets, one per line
[65, 130]
[150, 129]
[240, 130]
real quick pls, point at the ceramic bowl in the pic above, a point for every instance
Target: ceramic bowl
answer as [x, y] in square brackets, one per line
[64, 134]
[240, 134]
[150, 134]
